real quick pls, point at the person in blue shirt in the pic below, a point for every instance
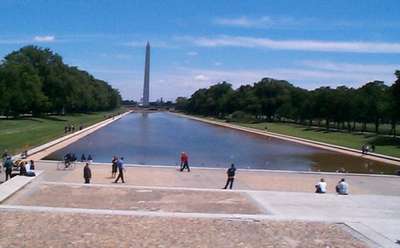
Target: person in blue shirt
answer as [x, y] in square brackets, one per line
[342, 188]
[8, 164]
[121, 168]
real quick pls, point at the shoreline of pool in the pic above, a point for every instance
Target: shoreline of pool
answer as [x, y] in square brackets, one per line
[321, 145]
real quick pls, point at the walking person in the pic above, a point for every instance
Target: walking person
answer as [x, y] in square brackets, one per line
[231, 176]
[87, 173]
[184, 162]
[121, 168]
[114, 166]
[8, 164]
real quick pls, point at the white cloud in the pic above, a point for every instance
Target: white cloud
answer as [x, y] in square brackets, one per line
[192, 53]
[46, 38]
[217, 63]
[352, 67]
[300, 45]
[260, 22]
[200, 77]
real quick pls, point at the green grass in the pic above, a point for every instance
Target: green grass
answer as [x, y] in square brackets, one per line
[384, 144]
[23, 133]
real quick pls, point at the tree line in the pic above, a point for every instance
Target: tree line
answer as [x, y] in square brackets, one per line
[35, 81]
[277, 100]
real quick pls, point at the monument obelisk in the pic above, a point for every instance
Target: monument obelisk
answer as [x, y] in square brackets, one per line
[146, 86]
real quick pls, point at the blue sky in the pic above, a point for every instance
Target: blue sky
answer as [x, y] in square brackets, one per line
[198, 43]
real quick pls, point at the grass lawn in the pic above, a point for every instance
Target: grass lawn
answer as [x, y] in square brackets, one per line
[20, 134]
[384, 144]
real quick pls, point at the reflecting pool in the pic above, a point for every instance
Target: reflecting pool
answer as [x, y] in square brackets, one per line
[159, 138]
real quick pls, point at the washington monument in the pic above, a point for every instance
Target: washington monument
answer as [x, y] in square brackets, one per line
[146, 86]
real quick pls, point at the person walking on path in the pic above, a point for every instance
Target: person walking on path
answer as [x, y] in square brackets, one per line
[114, 166]
[8, 164]
[87, 173]
[121, 168]
[231, 176]
[184, 162]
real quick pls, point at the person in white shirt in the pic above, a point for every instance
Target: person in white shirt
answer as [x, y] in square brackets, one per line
[320, 187]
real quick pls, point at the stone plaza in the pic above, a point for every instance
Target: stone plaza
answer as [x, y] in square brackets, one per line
[162, 207]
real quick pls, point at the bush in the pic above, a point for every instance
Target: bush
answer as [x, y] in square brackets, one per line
[240, 116]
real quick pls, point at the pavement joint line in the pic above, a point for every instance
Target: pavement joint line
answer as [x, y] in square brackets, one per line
[120, 185]
[370, 234]
[359, 235]
[171, 188]
[233, 217]
[15, 184]
[97, 211]
[238, 169]
[129, 212]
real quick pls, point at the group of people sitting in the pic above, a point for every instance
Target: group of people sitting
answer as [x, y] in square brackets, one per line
[71, 158]
[23, 168]
[342, 187]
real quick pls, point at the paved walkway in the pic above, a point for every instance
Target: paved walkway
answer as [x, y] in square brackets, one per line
[260, 198]
[216, 178]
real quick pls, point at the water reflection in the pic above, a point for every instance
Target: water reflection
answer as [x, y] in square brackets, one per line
[159, 138]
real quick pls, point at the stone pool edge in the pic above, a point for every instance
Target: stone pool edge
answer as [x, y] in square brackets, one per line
[44, 150]
[321, 145]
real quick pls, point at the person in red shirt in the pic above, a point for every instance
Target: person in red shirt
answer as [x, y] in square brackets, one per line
[184, 161]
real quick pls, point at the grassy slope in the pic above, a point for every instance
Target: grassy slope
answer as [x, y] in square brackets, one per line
[17, 135]
[384, 144]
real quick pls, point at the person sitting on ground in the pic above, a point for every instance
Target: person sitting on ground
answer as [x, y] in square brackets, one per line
[342, 188]
[231, 176]
[32, 165]
[83, 158]
[87, 173]
[320, 187]
[22, 169]
[90, 159]
[73, 157]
